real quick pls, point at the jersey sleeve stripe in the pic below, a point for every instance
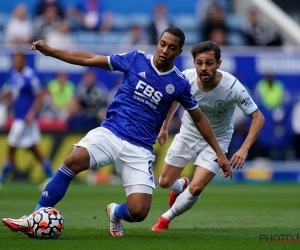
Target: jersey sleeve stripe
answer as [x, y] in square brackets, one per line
[253, 112]
[192, 108]
[178, 72]
[109, 64]
[233, 84]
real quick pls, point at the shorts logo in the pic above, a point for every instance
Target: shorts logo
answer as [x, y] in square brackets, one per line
[170, 89]
[219, 104]
[150, 168]
[170, 154]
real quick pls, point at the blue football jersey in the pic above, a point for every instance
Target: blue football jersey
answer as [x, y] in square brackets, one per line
[23, 86]
[144, 98]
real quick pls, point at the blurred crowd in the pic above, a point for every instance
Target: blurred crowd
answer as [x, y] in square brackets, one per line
[280, 136]
[92, 21]
[81, 106]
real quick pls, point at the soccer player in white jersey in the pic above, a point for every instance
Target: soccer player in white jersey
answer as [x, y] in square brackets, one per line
[133, 121]
[25, 89]
[217, 93]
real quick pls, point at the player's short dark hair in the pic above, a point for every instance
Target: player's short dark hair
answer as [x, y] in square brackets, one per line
[176, 32]
[205, 47]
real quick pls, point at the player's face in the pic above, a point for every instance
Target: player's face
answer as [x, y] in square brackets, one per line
[168, 49]
[206, 66]
[18, 62]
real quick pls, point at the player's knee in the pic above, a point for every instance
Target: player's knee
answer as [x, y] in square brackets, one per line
[196, 189]
[139, 212]
[164, 182]
[70, 162]
[76, 163]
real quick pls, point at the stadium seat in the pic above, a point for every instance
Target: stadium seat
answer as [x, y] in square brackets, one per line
[192, 37]
[4, 18]
[120, 22]
[236, 22]
[235, 38]
[2, 37]
[185, 22]
[84, 37]
[140, 19]
[123, 23]
[112, 38]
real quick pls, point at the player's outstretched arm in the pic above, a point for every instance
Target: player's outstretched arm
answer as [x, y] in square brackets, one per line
[82, 58]
[238, 159]
[163, 134]
[205, 129]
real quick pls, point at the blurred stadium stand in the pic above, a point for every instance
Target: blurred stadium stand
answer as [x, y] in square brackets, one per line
[249, 64]
[126, 13]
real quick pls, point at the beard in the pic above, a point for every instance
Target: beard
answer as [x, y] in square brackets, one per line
[207, 78]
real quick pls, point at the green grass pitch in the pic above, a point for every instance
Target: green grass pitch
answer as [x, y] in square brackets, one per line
[226, 217]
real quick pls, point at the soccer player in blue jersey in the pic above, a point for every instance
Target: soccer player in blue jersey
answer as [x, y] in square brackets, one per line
[133, 121]
[26, 92]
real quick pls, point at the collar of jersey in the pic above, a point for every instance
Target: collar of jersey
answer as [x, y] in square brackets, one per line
[158, 72]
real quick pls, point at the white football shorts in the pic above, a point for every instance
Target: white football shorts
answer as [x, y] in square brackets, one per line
[184, 150]
[22, 135]
[133, 164]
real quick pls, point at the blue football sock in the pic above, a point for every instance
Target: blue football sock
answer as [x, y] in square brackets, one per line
[7, 167]
[47, 169]
[57, 187]
[122, 212]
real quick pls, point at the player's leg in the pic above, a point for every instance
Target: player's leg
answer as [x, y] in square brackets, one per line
[32, 136]
[14, 141]
[81, 158]
[8, 165]
[97, 149]
[44, 162]
[135, 209]
[55, 190]
[169, 180]
[206, 169]
[190, 196]
[181, 152]
[76, 162]
[135, 168]
[187, 199]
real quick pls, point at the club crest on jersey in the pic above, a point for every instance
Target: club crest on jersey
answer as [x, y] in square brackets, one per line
[170, 89]
[219, 104]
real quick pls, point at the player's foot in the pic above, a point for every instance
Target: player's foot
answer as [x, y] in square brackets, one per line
[19, 225]
[173, 196]
[161, 225]
[115, 225]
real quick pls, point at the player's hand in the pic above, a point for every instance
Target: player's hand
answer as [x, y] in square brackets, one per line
[162, 136]
[225, 166]
[41, 46]
[29, 118]
[238, 159]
